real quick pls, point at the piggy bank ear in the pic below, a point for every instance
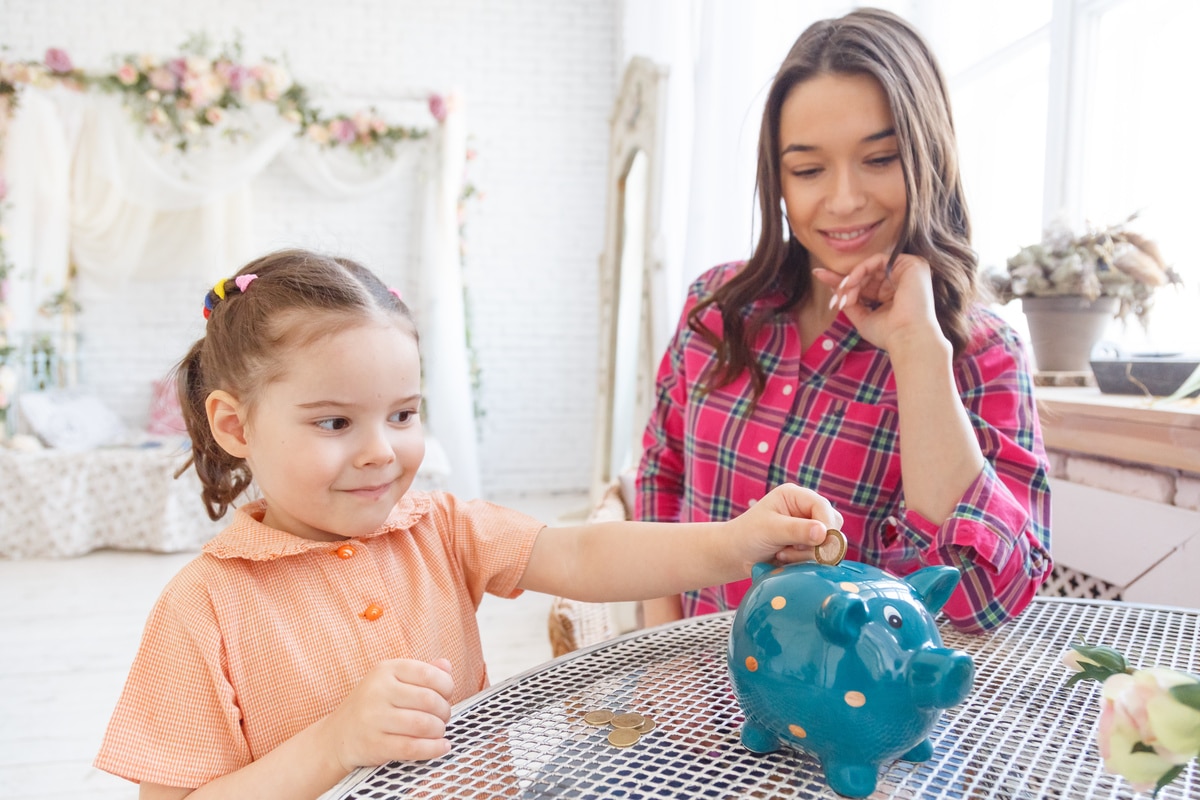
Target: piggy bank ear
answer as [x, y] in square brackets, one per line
[760, 569]
[841, 618]
[934, 585]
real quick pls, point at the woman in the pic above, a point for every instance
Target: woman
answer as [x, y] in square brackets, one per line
[851, 353]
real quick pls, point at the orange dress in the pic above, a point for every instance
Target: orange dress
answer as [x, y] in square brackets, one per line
[264, 633]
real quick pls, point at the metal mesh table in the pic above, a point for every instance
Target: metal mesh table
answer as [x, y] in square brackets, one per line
[1019, 734]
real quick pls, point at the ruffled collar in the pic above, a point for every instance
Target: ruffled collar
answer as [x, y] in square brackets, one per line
[247, 537]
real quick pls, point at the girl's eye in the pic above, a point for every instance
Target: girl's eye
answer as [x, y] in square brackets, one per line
[402, 417]
[883, 161]
[810, 172]
[334, 424]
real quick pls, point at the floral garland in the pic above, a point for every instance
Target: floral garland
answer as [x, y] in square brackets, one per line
[183, 99]
[181, 102]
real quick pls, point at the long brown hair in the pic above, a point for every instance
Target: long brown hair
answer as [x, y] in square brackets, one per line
[936, 227]
[296, 297]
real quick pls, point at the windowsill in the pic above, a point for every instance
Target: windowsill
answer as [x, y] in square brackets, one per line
[1126, 428]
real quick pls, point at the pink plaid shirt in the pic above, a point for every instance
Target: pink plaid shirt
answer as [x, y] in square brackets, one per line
[828, 420]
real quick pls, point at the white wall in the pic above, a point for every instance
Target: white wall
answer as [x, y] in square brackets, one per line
[537, 78]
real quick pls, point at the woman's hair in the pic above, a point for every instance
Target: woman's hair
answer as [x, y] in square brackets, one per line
[294, 298]
[936, 226]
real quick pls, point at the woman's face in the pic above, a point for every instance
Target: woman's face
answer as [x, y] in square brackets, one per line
[840, 171]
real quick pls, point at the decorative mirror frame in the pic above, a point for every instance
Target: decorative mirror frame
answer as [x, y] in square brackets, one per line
[637, 123]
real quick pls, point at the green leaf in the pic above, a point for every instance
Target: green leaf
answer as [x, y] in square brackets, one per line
[1103, 656]
[1167, 777]
[1188, 694]
[1189, 385]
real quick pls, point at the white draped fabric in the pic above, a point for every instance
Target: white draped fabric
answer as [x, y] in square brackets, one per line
[86, 183]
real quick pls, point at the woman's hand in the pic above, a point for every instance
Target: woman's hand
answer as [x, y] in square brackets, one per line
[397, 712]
[786, 526]
[887, 308]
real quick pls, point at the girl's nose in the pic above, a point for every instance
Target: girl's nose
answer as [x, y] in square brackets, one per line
[376, 449]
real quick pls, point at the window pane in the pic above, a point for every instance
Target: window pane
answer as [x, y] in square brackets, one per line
[1138, 139]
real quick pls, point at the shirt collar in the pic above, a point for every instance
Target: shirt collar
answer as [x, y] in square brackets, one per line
[248, 538]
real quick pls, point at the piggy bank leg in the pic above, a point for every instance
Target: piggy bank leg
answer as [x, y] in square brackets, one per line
[758, 739]
[851, 780]
[922, 752]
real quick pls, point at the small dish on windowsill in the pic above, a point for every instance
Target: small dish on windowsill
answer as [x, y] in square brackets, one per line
[1146, 374]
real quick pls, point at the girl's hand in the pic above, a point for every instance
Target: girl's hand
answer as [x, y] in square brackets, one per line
[786, 526]
[886, 307]
[397, 712]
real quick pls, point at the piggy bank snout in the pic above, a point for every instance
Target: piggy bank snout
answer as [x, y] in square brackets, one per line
[940, 677]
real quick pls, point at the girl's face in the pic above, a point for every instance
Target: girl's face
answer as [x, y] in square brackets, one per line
[336, 442]
[840, 170]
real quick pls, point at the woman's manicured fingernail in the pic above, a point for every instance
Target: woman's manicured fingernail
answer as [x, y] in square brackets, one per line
[833, 301]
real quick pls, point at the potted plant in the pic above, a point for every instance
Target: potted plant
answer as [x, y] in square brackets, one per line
[1071, 284]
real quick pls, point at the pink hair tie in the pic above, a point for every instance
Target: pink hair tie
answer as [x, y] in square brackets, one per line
[395, 292]
[243, 281]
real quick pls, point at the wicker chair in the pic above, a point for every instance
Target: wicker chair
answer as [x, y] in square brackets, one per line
[573, 624]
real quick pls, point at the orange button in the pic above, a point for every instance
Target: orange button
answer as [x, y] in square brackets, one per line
[372, 613]
[345, 551]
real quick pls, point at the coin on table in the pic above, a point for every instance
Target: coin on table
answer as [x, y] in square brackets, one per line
[646, 726]
[629, 719]
[598, 717]
[623, 737]
[833, 549]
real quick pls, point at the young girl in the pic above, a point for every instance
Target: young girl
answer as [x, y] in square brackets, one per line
[332, 624]
[851, 353]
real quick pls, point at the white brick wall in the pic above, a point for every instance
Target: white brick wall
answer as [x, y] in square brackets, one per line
[537, 78]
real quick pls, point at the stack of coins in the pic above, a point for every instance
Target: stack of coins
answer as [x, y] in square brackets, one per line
[628, 727]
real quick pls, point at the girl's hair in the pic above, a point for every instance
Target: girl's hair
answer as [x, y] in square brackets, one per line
[936, 226]
[295, 298]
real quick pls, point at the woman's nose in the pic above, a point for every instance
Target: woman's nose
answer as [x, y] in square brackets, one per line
[846, 193]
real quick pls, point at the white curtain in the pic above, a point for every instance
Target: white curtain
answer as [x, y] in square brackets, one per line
[86, 183]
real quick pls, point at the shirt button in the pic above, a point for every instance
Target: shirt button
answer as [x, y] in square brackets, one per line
[345, 551]
[372, 613]
[787, 389]
[763, 447]
[827, 345]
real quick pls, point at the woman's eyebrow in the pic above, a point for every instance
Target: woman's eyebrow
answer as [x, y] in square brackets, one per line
[807, 148]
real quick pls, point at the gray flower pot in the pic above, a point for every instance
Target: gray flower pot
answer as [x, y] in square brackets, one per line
[1063, 329]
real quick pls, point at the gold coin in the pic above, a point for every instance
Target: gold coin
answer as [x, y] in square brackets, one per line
[599, 717]
[623, 737]
[646, 726]
[628, 720]
[833, 549]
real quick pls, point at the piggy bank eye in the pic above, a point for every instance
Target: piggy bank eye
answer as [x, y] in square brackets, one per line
[892, 616]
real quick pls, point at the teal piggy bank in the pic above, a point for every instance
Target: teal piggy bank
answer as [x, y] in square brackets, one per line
[846, 663]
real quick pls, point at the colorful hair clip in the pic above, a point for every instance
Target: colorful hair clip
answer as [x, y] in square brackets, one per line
[217, 293]
[395, 292]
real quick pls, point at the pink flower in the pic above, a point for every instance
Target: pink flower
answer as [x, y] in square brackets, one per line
[437, 107]
[214, 115]
[1144, 731]
[163, 79]
[58, 61]
[127, 74]
[343, 130]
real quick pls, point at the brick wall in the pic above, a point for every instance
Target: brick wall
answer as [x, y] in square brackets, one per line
[537, 78]
[1166, 486]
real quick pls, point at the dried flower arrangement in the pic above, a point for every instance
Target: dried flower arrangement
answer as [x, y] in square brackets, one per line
[1101, 262]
